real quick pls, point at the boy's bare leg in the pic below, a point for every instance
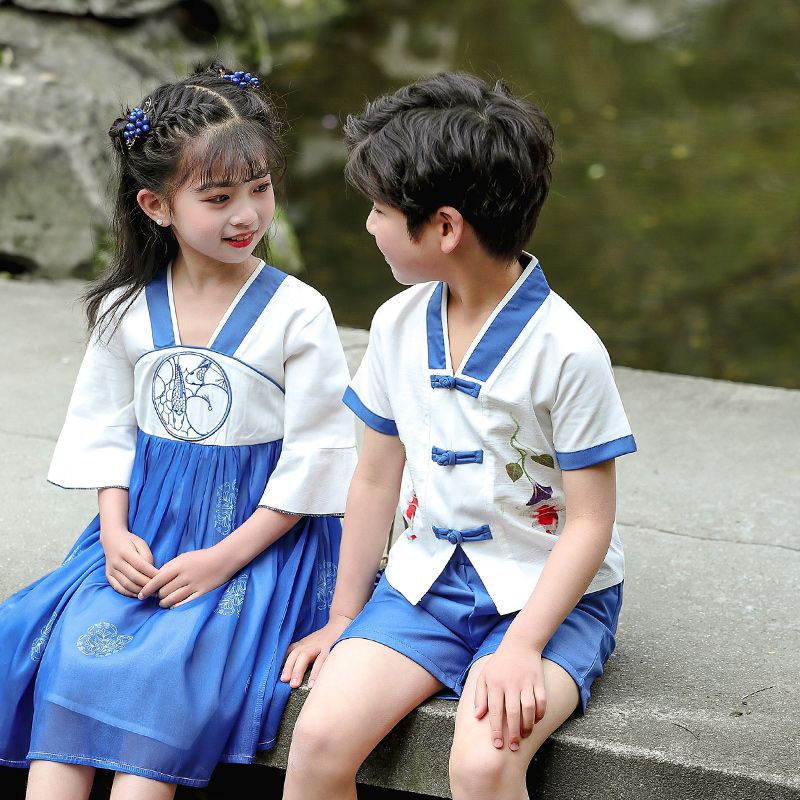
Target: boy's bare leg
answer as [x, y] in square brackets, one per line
[478, 770]
[49, 779]
[135, 787]
[363, 690]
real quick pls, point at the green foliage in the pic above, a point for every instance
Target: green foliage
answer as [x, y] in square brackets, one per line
[672, 222]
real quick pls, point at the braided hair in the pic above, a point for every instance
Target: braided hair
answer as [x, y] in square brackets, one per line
[203, 128]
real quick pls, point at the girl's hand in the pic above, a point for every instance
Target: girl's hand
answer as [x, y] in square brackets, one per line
[129, 562]
[186, 577]
[511, 687]
[314, 647]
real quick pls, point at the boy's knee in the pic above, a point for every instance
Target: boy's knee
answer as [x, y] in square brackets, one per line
[312, 736]
[481, 772]
[318, 746]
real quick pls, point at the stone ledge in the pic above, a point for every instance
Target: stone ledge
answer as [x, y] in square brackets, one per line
[414, 756]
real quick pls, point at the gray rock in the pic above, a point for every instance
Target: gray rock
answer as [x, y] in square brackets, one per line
[62, 82]
[120, 9]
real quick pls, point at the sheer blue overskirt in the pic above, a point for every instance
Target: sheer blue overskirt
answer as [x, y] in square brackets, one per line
[93, 677]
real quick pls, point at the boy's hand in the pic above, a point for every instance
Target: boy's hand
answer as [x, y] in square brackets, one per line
[129, 562]
[511, 686]
[186, 577]
[314, 647]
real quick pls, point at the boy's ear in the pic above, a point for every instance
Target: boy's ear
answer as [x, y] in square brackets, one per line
[153, 206]
[450, 227]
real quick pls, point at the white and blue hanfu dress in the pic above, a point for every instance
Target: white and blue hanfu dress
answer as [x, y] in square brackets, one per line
[201, 437]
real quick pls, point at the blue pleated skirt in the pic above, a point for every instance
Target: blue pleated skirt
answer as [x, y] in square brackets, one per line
[92, 677]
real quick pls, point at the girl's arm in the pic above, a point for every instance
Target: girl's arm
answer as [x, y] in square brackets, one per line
[192, 574]
[512, 685]
[369, 516]
[129, 562]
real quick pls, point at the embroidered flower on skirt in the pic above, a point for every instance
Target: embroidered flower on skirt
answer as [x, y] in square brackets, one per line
[326, 583]
[102, 640]
[226, 507]
[231, 602]
[40, 642]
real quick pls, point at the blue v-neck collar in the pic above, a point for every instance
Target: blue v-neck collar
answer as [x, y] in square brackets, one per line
[240, 318]
[512, 314]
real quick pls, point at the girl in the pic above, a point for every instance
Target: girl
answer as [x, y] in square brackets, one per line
[207, 415]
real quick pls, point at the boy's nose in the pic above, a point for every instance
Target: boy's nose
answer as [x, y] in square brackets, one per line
[369, 223]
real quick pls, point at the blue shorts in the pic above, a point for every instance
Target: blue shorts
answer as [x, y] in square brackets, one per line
[456, 623]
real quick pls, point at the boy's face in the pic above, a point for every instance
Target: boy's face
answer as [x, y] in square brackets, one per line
[410, 261]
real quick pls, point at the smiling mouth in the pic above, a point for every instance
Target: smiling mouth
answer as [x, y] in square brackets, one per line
[242, 240]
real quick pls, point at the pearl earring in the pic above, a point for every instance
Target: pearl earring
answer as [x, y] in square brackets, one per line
[159, 221]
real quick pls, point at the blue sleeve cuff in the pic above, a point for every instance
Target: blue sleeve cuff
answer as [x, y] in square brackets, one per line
[578, 459]
[378, 423]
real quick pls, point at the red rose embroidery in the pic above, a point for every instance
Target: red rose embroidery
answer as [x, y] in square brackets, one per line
[547, 516]
[413, 505]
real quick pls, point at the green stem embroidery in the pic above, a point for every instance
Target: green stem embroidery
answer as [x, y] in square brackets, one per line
[517, 469]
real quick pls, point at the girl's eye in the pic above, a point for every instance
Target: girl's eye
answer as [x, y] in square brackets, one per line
[218, 198]
[263, 187]
[376, 210]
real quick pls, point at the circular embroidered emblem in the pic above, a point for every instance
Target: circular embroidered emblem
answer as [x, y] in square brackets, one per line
[191, 395]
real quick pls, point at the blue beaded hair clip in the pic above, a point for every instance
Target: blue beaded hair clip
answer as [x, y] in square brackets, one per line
[138, 124]
[241, 78]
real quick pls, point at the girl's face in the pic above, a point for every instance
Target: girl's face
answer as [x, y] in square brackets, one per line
[222, 223]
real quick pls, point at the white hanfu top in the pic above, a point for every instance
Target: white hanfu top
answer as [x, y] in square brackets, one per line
[486, 441]
[273, 370]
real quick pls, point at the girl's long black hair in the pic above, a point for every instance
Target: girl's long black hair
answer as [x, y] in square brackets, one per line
[202, 128]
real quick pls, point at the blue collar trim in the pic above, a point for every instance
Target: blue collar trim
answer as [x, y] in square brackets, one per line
[500, 335]
[247, 310]
[437, 358]
[157, 296]
[507, 326]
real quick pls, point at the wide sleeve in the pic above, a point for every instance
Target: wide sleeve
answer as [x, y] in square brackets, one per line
[98, 441]
[589, 421]
[368, 396]
[318, 455]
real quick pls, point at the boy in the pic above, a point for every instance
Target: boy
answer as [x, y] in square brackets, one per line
[500, 401]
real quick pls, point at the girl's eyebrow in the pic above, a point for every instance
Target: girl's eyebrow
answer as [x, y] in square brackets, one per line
[204, 187]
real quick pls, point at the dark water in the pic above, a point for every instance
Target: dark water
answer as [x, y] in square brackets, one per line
[673, 225]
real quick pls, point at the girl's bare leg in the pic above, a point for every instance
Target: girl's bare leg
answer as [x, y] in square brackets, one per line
[135, 787]
[478, 770]
[363, 690]
[49, 779]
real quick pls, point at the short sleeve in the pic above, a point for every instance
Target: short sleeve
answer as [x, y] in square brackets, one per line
[318, 455]
[368, 396]
[589, 421]
[97, 444]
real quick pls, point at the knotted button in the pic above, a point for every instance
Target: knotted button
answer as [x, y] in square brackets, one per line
[479, 534]
[445, 458]
[450, 382]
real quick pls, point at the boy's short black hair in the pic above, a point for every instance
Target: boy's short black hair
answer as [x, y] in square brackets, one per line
[452, 140]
